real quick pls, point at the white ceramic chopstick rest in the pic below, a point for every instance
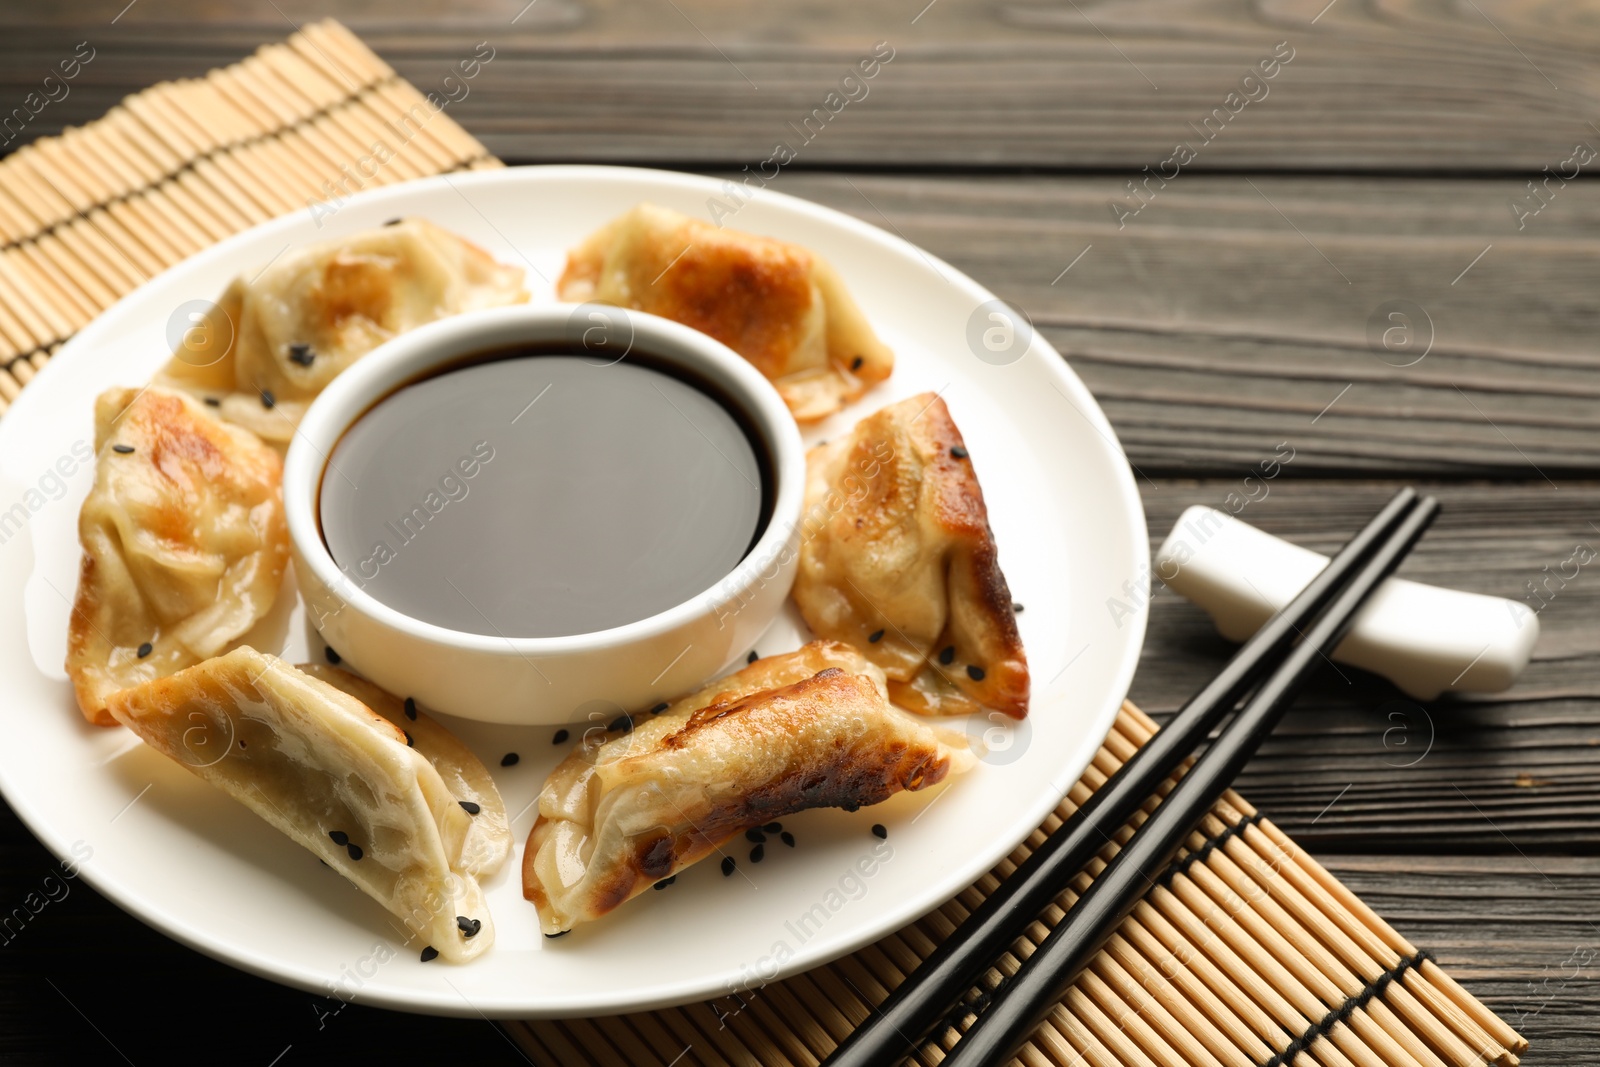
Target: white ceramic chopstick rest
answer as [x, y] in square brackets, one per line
[1422, 638]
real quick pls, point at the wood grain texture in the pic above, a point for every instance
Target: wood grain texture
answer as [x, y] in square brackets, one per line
[1233, 313]
[1229, 315]
[1492, 85]
[1355, 766]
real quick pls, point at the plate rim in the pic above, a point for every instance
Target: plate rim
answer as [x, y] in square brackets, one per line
[891, 918]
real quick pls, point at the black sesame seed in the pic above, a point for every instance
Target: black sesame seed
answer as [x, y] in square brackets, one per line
[301, 354]
[880, 831]
[621, 722]
[727, 866]
[470, 807]
[665, 882]
[958, 452]
[354, 850]
[947, 655]
[509, 759]
[468, 927]
[124, 449]
[393, 221]
[241, 744]
[563, 933]
[1016, 608]
[875, 636]
[339, 837]
[267, 399]
[659, 708]
[755, 835]
[757, 853]
[145, 649]
[753, 656]
[409, 742]
[773, 827]
[975, 672]
[411, 709]
[214, 401]
[561, 735]
[855, 364]
[429, 954]
[330, 655]
[787, 838]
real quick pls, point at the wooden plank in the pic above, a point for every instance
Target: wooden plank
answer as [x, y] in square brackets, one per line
[1496, 85]
[1233, 314]
[1355, 766]
[1214, 324]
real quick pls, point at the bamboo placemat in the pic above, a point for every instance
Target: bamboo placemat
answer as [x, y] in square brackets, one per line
[1246, 953]
[88, 216]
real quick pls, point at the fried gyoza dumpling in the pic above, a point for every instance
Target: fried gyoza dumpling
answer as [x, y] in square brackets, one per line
[899, 561]
[184, 543]
[489, 841]
[779, 306]
[812, 728]
[332, 774]
[317, 309]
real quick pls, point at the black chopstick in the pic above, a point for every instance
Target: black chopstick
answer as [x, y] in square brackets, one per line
[928, 994]
[1040, 983]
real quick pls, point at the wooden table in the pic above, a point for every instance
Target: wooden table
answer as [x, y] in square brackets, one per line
[1237, 314]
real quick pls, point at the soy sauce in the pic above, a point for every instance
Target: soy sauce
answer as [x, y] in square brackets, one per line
[543, 495]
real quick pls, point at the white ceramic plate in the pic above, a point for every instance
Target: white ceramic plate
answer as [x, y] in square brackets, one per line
[195, 864]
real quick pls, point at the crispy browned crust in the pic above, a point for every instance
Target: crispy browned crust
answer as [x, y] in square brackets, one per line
[975, 568]
[849, 783]
[752, 294]
[759, 296]
[357, 286]
[91, 692]
[843, 774]
[904, 477]
[342, 298]
[187, 461]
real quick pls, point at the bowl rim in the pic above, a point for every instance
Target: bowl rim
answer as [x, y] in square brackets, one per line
[372, 377]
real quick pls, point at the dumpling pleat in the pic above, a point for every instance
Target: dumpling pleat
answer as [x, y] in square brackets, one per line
[329, 772]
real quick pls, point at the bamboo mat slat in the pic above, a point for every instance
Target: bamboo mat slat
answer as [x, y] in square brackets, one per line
[1246, 953]
[87, 216]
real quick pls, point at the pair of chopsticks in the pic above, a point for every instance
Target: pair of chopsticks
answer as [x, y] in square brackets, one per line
[1274, 665]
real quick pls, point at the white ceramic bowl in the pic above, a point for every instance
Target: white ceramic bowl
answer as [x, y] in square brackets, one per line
[545, 680]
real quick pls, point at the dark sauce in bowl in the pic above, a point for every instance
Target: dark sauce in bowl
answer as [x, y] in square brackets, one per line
[542, 495]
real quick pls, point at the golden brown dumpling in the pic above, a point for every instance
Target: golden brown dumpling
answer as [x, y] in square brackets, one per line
[898, 560]
[778, 305]
[332, 774]
[315, 310]
[184, 543]
[812, 728]
[489, 842]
